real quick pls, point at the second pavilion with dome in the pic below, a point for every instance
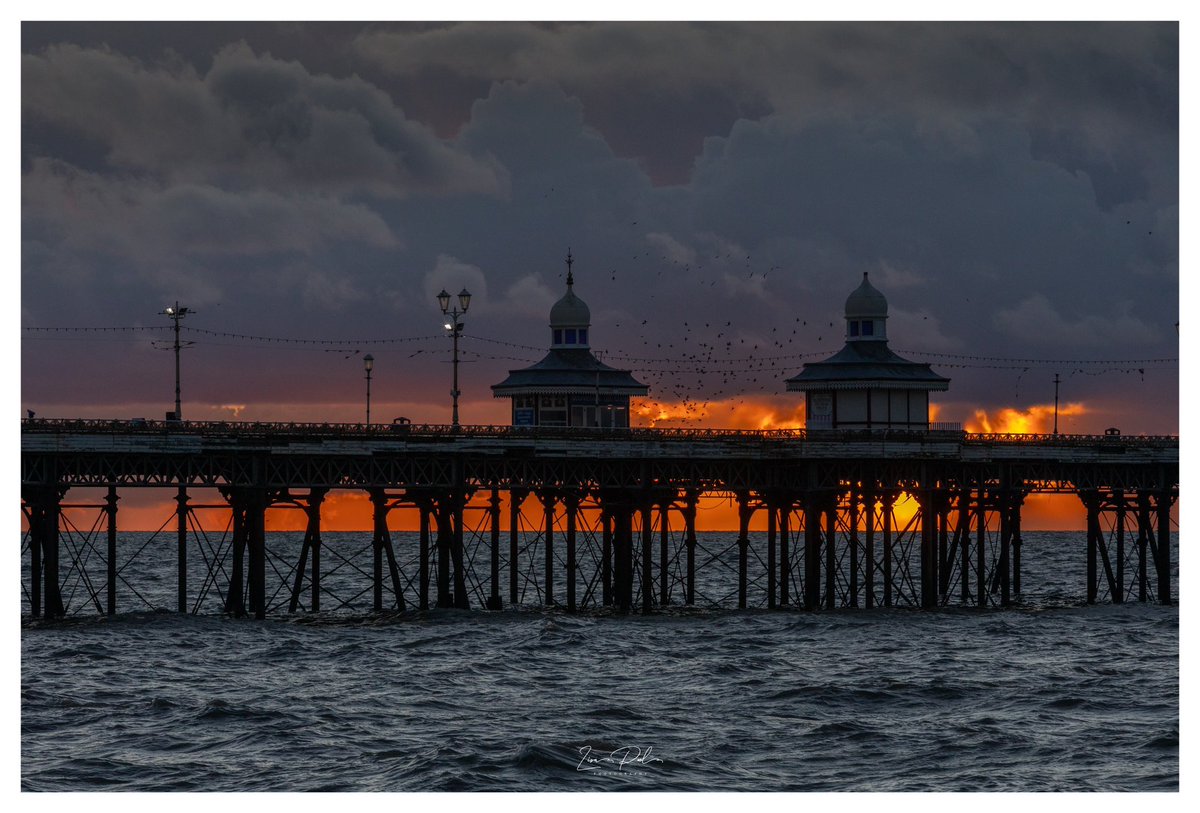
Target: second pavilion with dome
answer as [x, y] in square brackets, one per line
[570, 386]
[865, 385]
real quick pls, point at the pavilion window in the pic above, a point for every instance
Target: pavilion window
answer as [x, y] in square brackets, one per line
[853, 327]
[868, 328]
[558, 336]
[553, 411]
[570, 335]
[583, 335]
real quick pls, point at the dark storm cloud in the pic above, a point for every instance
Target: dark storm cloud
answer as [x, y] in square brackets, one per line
[1013, 190]
[251, 120]
[1113, 87]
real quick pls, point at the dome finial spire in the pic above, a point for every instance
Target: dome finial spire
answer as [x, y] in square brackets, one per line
[570, 261]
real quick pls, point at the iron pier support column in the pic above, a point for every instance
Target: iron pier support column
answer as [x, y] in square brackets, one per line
[812, 552]
[393, 566]
[1164, 546]
[516, 496]
[830, 552]
[571, 501]
[235, 599]
[1119, 592]
[181, 515]
[889, 498]
[942, 506]
[110, 510]
[379, 528]
[689, 523]
[852, 507]
[423, 511]
[494, 602]
[52, 594]
[929, 548]
[744, 512]
[381, 545]
[981, 597]
[315, 498]
[1144, 532]
[548, 499]
[43, 544]
[459, 501]
[664, 553]
[962, 535]
[256, 539]
[444, 534]
[785, 558]
[606, 558]
[771, 516]
[623, 554]
[1091, 502]
[1018, 502]
[869, 552]
[37, 529]
[647, 512]
[1005, 545]
[311, 544]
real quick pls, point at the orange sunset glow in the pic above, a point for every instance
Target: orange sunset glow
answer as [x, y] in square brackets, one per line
[1035, 420]
[743, 412]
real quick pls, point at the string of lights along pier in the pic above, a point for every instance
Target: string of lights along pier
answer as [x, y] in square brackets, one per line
[570, 507]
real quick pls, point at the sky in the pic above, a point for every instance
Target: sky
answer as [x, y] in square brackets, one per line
[1012, 188]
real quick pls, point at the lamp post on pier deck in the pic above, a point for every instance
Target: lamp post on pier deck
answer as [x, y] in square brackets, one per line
[455, 326]
[368, 365]
[177, 313]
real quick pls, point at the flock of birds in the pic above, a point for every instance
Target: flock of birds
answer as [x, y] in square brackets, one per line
[708, 360]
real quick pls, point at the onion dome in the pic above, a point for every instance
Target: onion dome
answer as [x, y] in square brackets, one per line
[866, 313]
[866, 302]
[570, 317]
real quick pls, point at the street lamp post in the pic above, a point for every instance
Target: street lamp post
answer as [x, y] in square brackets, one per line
[455, 326]
[176, 313]
[1056, 383]
[368, 365]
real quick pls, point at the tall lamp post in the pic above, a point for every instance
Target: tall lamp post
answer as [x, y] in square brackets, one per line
[176, 313]
[455, 326]
[1056, 383]
[368, 365]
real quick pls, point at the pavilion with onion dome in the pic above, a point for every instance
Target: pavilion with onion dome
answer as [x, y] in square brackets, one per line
[570, 386]
[865, 385]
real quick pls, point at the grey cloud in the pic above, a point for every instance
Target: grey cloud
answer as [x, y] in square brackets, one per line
[1087, 90]
[251, 121]
[141, 219]
[1036, 318]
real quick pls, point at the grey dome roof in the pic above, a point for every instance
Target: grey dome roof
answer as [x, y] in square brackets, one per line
[570, 311]
[866, 302]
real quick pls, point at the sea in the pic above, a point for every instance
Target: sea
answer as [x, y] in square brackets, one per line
[1049, 694]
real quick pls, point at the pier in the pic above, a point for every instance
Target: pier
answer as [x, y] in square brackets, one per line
[591, 518]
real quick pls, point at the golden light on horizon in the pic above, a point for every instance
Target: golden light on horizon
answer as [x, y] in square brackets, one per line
[758, 413]
[1035, 420]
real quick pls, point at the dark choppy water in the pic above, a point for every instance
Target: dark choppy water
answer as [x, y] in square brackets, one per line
[1046, 696]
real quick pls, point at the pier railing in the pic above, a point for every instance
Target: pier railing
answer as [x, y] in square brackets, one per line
[376, 430]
